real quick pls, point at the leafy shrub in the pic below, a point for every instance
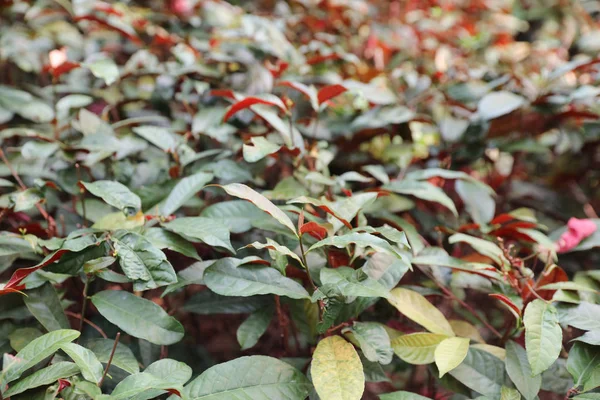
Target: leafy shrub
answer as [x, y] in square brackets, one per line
[334, 200]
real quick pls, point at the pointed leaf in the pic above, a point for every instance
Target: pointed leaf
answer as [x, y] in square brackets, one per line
[123, 357]
[497, 104]
[359, 239]
[86, 360]
[543, 335]
[519, 371]
[267, 99]
[228, 280]
[246, 193]
[116, 194]
[373, 341]
[255, 377]
[416, 307]
[143, 263]
[450, 353]
[481, 372]
[329, 92]
[44, 305]
[417, 348]
[183, 191]
[336, 370]
[258, 149]
[207, 230]
[138, 317]
[45, 376]
[422, 190]
[584, 366]
[254, 327]
[36, 351]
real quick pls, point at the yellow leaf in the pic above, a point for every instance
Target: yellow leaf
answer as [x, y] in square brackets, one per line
[450, 353]
[494, 350]
[465, 329]
[336, 370]
[417, 348]
[416, 307]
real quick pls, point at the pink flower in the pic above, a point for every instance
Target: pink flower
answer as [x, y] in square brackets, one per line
[578, 230]
[182, 7]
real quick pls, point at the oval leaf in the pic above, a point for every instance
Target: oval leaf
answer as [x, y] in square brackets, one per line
[416, 307]
[450, 353]
[138, 317]
[337, 371]
[543, 335]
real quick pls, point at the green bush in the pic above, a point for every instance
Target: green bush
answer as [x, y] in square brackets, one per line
[333, 200]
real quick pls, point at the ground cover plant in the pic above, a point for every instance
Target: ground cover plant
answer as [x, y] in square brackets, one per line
[273, 200]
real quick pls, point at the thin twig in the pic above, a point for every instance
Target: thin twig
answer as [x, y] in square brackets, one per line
[47, 217]
[112, 354]
[87, 321]
[449, 293]
[84, 303]
[282, 325]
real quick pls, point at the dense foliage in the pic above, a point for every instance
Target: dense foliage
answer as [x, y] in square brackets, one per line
[276, 200]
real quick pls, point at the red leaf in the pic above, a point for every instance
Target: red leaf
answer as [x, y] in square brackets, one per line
[17, 277]
[106, 24]
[553, 274]
[315, 230]
[319, 59]
[296, 86]
[330, 211]
[223, 93]
[508, 302]
[329, 92]
[249, 102]
[62, 384]
[337, 258]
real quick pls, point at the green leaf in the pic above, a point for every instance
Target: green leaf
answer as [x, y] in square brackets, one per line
[163, 239]
[170, 372]
[86, 360]
[592, 337]
[416, 307]
[543, 335]
[104, 68]
[143, 263]
[479, 203]
[36, 351]
[21, 337]
[481, 372]
[43, 303]
[497, 104]
[158, 136]
[238, 215]
[260, 148]
[183, 191]
[584, 316]
[385, 269]
[207, 302]
[137, 383]
[519, 371]
[588, 396]
[417, 348]
[336, 370]
[116, 194]
[24, 200]
[246, 193]
[481, 246]
[254, 327]
[45, 376]
[450, 353]
[138, 317]
[123, 357]
[244, 281]
[584, 366]
[424, 191]
[359, 239]
[435, 256]
[373, 340]
[278, 249]
[207, 230]
[401, 395]
[509, 394]
[349, 282]
[255, 377]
